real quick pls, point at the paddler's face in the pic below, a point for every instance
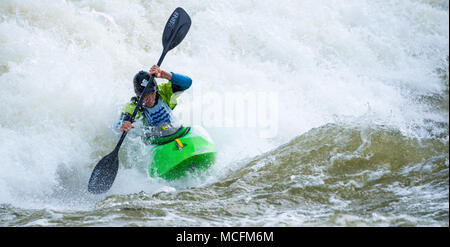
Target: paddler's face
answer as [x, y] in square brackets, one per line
[149, 99]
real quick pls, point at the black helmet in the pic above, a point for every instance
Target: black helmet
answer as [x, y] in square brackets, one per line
[141, 79]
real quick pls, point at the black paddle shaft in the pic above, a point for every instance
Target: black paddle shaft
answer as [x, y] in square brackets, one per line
[105, 171]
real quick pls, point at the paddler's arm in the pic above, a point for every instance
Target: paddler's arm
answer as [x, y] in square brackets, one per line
[179, 82]
[124, 124]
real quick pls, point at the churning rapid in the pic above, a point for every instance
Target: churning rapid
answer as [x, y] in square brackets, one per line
[324, 113]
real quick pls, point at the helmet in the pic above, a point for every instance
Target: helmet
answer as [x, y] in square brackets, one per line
[141, 79]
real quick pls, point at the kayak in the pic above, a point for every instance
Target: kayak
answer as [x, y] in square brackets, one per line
[188, 150]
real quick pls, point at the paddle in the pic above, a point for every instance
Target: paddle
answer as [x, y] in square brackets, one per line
[105, 171]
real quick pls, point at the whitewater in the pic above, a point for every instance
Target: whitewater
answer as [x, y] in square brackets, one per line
[324, 113]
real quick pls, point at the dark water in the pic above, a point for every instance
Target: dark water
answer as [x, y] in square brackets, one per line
[330, 176]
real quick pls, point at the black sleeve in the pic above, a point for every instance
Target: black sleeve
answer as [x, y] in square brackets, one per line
[176, 88]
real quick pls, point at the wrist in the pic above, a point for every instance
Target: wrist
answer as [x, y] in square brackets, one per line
[165, 75]
[168, 75]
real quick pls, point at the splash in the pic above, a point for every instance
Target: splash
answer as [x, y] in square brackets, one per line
[66, 70]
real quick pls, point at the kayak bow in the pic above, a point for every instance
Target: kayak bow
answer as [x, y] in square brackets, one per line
[189, 151]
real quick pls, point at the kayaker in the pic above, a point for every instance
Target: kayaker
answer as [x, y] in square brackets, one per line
[156, 110]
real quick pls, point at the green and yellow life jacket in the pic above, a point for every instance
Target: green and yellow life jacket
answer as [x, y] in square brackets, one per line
[165, 93]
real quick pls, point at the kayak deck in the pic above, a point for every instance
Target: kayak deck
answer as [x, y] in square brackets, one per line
[170, 161]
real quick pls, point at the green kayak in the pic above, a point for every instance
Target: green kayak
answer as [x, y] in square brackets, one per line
[175, 155]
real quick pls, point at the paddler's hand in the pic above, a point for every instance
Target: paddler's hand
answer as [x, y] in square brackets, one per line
[126, 126]
[159, 73]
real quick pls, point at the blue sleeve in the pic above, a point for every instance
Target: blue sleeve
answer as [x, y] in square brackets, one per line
[180, 82]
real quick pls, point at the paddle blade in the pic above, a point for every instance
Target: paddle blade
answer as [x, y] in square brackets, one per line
[104, 174]
[176, 29]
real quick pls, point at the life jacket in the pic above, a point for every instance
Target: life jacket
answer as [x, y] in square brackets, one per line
[157, 115]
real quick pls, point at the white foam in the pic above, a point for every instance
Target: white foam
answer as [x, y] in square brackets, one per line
[66, 70]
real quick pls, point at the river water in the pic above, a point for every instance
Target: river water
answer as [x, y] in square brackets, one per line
[325, 113]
